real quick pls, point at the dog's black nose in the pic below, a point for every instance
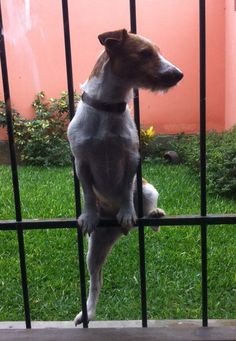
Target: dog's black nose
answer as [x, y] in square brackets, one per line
[178, 75]
[171, 77]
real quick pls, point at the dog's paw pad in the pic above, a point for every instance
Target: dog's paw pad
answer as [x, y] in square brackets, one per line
[126, 218]
[88, 222]
[79, 318]
[157, 213]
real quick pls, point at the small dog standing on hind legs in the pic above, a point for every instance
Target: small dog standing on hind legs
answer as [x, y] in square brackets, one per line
[104, 141]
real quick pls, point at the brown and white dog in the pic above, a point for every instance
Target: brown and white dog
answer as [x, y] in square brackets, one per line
[104, 142]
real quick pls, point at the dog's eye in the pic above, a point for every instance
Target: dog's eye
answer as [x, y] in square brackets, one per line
[146, 53]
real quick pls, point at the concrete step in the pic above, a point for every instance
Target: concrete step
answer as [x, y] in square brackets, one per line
[120, 330]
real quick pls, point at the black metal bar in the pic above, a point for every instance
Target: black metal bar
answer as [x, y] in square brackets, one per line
[204, 275]
[202, 34]
[187, 221]
[14, 171]
[133, 16]
[133, 24]
[70, 86]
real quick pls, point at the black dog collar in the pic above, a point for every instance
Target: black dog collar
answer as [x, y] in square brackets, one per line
[116, 108]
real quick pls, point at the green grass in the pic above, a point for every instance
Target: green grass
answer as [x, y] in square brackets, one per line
[173, 259]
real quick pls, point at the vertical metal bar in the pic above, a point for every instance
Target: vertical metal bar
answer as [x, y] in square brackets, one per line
[15, 181]
[202, 34]
[70, 86]
[139, 187]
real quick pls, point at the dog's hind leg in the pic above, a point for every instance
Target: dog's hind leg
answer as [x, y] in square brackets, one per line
[100, 243]
[150, 200]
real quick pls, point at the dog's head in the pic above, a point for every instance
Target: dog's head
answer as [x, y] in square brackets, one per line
[138, 61]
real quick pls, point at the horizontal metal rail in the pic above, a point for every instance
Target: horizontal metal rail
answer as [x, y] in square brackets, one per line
[180, 220]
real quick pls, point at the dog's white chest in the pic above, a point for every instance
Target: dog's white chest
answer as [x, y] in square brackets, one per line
[94, 131]
[105, 143]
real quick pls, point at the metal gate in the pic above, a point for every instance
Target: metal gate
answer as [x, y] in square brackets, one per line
[203, 219]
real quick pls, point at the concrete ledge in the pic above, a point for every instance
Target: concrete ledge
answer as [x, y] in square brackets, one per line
[120, 330]
[118, 334]
[118, 324]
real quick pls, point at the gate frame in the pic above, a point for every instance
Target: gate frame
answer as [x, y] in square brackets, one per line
[203, 219]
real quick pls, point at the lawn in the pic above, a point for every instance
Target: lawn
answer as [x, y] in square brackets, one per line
[172, 256]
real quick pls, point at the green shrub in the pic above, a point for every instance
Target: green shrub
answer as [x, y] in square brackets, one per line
[15, 115]
[151, 147]
[42, 140]
[146, 141]
[220, 157]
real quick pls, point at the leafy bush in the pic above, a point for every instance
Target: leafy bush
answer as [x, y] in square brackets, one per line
[154, 147]
[146, 140]
[220, 157]
[151, 148]
[42, 140]
[3, 122]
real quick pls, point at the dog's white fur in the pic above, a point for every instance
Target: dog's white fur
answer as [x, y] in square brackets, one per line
[106, 147]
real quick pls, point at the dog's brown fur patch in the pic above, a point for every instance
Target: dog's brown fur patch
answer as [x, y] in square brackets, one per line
[144, 181]
[99, 64]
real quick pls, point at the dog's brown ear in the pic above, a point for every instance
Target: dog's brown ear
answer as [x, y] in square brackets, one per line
[113, 39]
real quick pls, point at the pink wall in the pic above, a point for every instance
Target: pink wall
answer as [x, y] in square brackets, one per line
[230, 64]
[215, 64]
[174, 26]
[35, 51]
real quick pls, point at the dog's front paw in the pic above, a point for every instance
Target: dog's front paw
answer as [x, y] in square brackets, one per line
[79, 318]
[88, 222]
[157, 213]
[126, 218]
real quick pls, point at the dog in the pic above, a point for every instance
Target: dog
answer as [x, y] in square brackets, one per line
[104, 141]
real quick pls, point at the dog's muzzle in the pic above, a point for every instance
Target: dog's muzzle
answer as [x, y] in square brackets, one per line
[170, 77]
